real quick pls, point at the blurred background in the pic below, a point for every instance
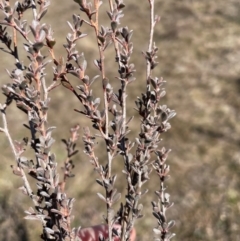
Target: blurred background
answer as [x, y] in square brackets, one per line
[199, 56]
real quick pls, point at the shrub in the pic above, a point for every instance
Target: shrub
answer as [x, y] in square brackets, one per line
[30, 89]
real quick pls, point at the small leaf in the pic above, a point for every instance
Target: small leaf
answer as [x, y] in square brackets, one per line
[49, 230]
[101, 197]
[16, 171]
[70, 25]
[114, 25]
[170, 235]
[44, 194]
[51, 128]
[23, 189]
[171, 224]
[73, 153]
[32, 217]
[157, 231]
[41, 14]
[93, 79]
[116, 197]
[38, 46]
[53, 210]
[101, 38]
[67, 85]
[99, 182]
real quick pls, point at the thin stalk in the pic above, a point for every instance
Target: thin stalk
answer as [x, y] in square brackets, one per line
[123, 88]
[101, 55]
[15, 154]
[109, 157]
[5, 130]
[111, 5]
[106, 134]
[150, 44]
[34, 10]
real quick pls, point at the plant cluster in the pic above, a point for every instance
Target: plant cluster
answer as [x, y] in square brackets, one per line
[30, 90]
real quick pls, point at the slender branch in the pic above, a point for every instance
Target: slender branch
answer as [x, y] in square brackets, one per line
[34, 10]
[150, 44]
[53, 86]
[16, 156]
[22, 33]
[111, 5]
[106, 111]
[53, 55]
[5, 130]
[101, 54]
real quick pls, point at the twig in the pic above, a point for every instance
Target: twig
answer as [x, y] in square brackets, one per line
[15, 154]
[150, 44]
[111, 5]
[34, 10]
[101, 54]
[5, 130]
